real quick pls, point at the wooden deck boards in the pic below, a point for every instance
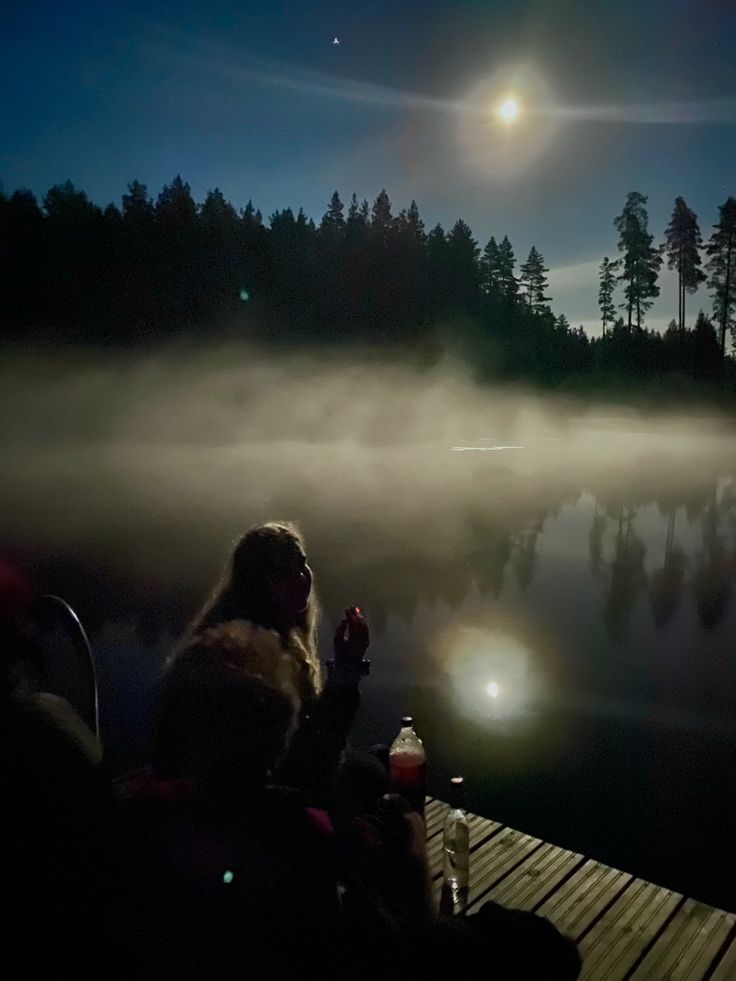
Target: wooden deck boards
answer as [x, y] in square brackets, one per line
[626, 929]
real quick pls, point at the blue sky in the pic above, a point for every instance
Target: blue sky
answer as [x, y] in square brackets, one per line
[256, 99]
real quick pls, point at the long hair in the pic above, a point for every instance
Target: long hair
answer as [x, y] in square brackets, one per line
[244, 593]
[227, 703]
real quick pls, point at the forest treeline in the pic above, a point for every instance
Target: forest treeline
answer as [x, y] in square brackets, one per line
[73, 273]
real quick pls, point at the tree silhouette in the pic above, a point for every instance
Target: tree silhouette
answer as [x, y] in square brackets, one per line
[23, 271]
[381, 217]
[508, 284]
[490, 271]
[410, 258]
[438, 263]
[462, 263]
[595, 539]
[219, 240]
[721, 251]
[179, 273]
[711, 582]
[533, 281]
[524, 554]
[682, 246]
[332, 226]
[75, 256]
[137, 206]
[706, 351]
[641, 261]
[628, 577]
[665, 592]
[76, 273]
[605, 292]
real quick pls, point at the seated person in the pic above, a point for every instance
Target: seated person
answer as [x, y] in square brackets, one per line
[269, 584]
[56, 800]
[222, 869]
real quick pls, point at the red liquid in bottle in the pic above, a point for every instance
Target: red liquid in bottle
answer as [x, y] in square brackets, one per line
[408, 776]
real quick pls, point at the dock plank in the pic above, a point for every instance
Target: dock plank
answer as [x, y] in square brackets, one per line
[626, 929]
[688, 945]
[726, 967]
[502, 853]
[617, 939]
[434, 815]
[583, 897]
[535, 879]
[481, 829]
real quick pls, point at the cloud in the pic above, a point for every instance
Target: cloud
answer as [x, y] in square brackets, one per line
[278, 75]
[574, 275]
[652, 113]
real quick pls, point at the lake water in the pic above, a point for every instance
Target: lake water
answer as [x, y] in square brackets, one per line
[552, 602]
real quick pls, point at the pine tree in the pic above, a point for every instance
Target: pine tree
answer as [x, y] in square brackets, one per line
[217, 212]
[533, 281]
[721, 251]
[682, 245]
[332, 226]
[462, 260]
[137, 206]
[706, 355]
[413, 224]
[250, 217]
[438, 265]
[356, 224]
[641, 260]
[490, 273]
[381, 217]
[508, 284]
[605, 292]
[175, 206]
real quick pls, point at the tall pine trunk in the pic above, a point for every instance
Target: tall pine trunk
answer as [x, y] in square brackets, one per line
[726, 294]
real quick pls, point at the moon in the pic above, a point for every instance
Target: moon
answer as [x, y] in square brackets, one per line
[508, 110]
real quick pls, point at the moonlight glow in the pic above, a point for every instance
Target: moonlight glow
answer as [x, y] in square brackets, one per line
[492, 674]
[508, 111]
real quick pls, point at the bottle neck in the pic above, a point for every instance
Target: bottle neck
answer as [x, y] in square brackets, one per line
[456, 797]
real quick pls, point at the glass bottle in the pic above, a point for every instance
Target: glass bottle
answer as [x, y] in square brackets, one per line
[456, 850]
[408, 765]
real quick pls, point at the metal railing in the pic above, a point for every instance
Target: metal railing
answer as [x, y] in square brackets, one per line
[55, 610]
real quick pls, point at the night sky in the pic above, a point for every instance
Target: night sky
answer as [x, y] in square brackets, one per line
[258, 100]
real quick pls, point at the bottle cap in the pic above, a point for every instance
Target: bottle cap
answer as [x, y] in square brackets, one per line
[407, 720]
[457, 791]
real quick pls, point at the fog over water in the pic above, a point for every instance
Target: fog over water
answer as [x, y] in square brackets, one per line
[548, 583]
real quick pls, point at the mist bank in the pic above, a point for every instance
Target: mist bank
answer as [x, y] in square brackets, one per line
[231, 392]
[189, 444]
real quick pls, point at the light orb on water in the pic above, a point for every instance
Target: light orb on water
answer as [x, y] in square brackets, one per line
[508, 110]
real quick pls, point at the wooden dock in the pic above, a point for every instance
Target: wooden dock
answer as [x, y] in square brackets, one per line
[625, 928]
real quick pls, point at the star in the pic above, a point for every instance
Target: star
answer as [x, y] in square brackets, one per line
[336, 40]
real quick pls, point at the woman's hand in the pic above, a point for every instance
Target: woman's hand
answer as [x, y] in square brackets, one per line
[352, 638]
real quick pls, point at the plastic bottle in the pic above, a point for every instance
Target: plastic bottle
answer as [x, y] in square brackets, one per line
[456, 847]
[408, 765]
